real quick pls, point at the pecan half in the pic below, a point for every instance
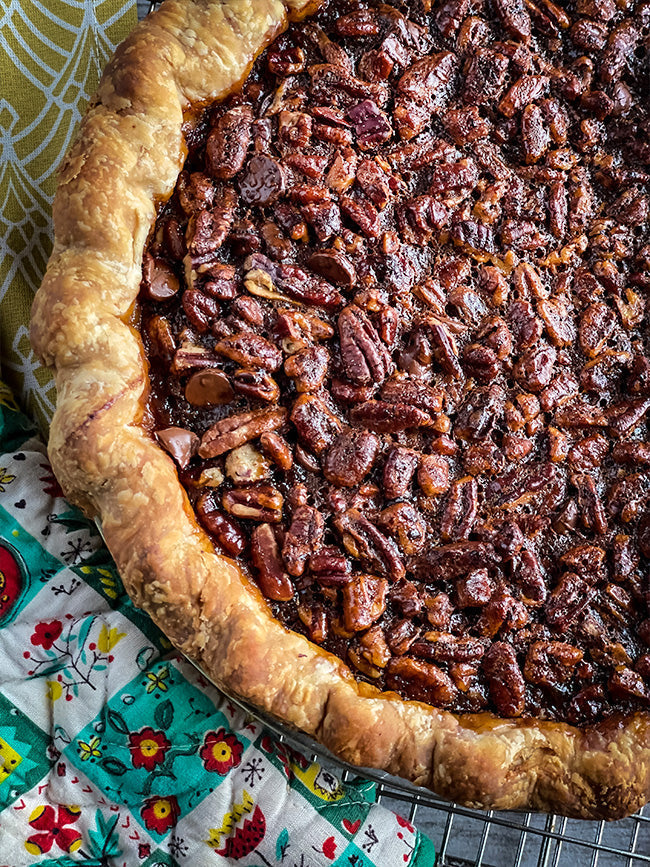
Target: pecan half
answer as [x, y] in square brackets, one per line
[302, 539]
[514, 18]
[475, 589]
[399, 470]
[257, 503]
[308, 368]
[421, 681]
[250, 350]
[256, 384]
[405, 525]
[228, 433]
[568, 601]
[591, 506]
[433, 475]
[384, 417]
[422, 91]
[228, 142]
[371, 124]
[551, 663]
[364, 356]
[225, 529]
[350, 458]
[265, 555]
[505, 680]
[446, 647]
[317, 426]
[330, 567]
[364, 601]
[460, 509]
[364, 541]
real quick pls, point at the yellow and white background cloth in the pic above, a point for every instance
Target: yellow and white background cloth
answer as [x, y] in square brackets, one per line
[52, 53]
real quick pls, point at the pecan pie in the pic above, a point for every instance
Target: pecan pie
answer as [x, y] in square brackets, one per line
[353, 366]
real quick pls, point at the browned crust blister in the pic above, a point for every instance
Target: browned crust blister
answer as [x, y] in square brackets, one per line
[125, 160]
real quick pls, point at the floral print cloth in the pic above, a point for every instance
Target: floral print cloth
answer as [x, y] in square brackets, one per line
[115, 751]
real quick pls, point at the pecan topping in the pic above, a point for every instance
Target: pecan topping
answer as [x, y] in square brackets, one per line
[364, 601]
[225, 529]
[259, 503]
[308, 368]
[302, 538]
[256, 384]
[401, 289]
[551, 663]
[316, 425]
[333, 266]
[250, 349]
[505, 680]
[364, 356]
[460, 510]
[474, 589]
[350, 458]
[228, 142]
[364, 541]
[384, 417]
[208, 229]
[422, 681]
[405, 525]
[245, 464]
[238, 429]
[399, 469]
[271, 577]
[422, 91]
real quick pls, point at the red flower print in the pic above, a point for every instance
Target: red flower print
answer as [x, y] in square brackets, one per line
[46, 634]
[51, 826]
[144, 850]
[404, 823]
[221, 751]
[148, 748]
[50, 484]
[160, 814]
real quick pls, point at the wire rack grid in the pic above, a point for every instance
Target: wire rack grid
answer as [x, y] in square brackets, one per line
[473, 838]
[476, 838]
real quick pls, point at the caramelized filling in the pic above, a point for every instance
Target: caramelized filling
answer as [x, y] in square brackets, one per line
[395, 313]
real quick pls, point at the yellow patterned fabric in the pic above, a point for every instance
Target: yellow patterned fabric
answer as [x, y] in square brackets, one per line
[51, 55]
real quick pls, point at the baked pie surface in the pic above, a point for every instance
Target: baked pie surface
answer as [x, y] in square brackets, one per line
[393, 311]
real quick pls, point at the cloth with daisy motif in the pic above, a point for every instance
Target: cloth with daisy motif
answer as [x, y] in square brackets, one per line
[115, 751]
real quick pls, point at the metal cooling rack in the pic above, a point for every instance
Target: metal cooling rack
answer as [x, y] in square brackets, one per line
[476, 838]
[473, 838]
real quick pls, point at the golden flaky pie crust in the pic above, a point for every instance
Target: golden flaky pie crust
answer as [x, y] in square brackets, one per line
[125, 161]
